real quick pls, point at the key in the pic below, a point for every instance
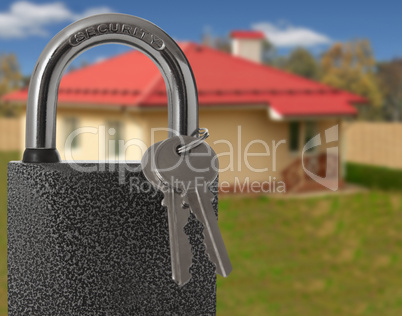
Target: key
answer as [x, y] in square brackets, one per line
[192, 173]
[180, 248]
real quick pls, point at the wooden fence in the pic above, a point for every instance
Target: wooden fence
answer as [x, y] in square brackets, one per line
[378, 144]
[10, 134]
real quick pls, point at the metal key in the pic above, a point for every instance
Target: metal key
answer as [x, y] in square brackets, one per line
[180, 248]
[183, 171]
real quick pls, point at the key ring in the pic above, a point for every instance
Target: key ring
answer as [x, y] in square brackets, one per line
[203, 134]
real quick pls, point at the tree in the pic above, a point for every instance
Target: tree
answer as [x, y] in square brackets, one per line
[10, 79]
[10, 76]
[301, 62]
[268, 52]
[220, 43]
[390, 76]
[351, 66]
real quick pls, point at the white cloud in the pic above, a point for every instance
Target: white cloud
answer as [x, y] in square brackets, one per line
[92, 11]
[25, 19]
[283, 35]
[100, 59]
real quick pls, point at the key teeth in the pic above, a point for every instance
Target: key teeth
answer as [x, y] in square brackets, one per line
[165, 202]
[180, 279]
[210, 194]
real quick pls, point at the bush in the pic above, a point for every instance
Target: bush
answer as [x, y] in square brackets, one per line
[374, 177]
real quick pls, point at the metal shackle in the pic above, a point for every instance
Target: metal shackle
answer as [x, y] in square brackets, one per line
[93, 31]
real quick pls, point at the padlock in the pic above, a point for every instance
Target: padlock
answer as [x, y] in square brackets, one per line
[84, 243]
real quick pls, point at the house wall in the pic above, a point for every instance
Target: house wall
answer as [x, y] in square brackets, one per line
[252, 133]
[94, 137]
[237, 132]
[249, 144]
[10, 133]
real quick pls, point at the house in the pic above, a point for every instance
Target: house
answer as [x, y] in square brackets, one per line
[259, 117]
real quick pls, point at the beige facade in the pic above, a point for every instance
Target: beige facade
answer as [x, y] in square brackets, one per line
[249, 143]
[11, 131]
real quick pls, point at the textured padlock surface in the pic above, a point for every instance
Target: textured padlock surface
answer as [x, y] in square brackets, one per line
[81, 243]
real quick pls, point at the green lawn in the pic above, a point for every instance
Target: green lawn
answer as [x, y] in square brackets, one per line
[335, 255]
[338, 255]
[4, 158]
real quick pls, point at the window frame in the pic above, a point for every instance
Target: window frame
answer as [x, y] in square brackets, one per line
[310, 131]
[70, 125]
[118, 126]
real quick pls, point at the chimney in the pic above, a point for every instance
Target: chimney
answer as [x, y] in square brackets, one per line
[247, 44]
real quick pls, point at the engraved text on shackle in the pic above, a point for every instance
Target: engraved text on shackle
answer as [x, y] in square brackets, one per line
[117, 28]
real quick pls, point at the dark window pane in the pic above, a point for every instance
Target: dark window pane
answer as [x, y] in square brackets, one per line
[294, 131]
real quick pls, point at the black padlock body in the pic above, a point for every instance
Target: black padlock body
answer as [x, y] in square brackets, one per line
[88, 243]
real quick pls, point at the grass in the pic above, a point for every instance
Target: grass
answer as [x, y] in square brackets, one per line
[4, 159]
[335, 255]
[338, 255]
[374, 176]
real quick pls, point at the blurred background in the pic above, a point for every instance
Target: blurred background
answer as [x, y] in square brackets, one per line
[310, 231]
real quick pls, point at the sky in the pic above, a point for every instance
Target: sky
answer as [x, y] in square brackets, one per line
[27, 26]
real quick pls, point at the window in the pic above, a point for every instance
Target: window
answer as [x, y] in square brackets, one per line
[70, 126]
[115, 134]
[294, 132]
[310, 132]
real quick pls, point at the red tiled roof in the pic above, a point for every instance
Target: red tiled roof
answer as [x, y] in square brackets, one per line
[247, 34]
[132, 80]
